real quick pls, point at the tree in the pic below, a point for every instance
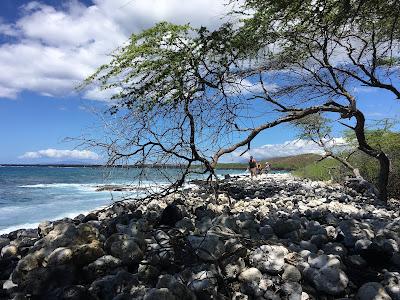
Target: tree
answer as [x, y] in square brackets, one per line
[381, 135]
[316, 128]
[327, 49]
[187, 91]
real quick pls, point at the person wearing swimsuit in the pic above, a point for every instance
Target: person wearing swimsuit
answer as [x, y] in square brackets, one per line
[252, 166]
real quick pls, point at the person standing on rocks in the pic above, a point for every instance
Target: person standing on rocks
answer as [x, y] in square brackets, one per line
[267, 168]
[252, 167]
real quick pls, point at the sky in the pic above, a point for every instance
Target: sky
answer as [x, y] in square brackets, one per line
[48, 47]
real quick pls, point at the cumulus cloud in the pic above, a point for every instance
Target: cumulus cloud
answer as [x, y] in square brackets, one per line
[245, 86]
[288, 148]
[64, 154]
[53, 49]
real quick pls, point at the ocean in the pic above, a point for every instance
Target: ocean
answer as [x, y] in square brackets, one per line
[32, 194]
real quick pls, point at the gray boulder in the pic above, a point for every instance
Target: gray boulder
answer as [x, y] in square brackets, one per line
[291, 273]
[59, 256]
[178, 289]
[44, 228]
[27, 264]
[41, 281]
[170, 215]
[209, 247]
[335, 249]
[84, 254]
[372, 291]
[125, 248]
[269, 258]
[250, 275]
[291, 291]
[106, 264]
[354, 231]
[391, 283]
[72, 292]
[109, 286]
[328, 280]
[321, 261]
[148, 273]
[9, 251]
[284, 227]
[266, 231]
[4, 242]
[160, 294]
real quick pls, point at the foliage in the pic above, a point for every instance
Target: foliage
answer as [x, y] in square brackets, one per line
[327, 169]
[384, 139]
[313, 127]
[389, 142]
[184, 93]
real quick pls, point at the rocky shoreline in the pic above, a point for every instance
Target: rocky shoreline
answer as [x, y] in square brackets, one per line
[276, 237]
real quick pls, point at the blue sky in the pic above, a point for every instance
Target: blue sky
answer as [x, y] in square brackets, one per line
[48, 47]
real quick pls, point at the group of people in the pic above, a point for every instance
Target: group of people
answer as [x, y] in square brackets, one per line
[257, 168]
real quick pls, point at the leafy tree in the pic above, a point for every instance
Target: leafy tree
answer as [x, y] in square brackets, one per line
[387, 140]
[328, 49]
[186, 93]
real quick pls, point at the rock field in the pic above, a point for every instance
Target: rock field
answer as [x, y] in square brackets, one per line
[275, 237]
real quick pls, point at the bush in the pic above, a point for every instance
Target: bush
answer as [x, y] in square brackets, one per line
[327, 169]
[330, 169]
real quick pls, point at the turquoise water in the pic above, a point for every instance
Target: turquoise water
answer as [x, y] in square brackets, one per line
[30, 195]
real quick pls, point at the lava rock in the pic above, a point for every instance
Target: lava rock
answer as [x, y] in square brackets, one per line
[354, 231]
[291, 273]
[41, 281]
[148, 273]
[125, 248]
[4, 242]
[109, 286]
[44, 228]
[269, 258]
[160, 294]
[102, 266]
[372, 291]
[170, 215]
[376, 255]
[209, 247]
[283, 227]
[250, 275]
[328, 280]
[9, 251]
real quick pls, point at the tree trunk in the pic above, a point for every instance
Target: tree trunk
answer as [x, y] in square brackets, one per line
[384, 162]
[356, 172]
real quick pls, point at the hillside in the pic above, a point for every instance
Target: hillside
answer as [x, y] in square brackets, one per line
[293, 162]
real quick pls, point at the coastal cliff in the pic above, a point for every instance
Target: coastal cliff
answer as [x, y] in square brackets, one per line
[275, 237]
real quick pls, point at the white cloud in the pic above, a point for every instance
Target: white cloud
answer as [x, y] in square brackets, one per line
[288, 148]
[245, 86]
[64, 154]
[94, 93]
[6, 92]
[53, 49]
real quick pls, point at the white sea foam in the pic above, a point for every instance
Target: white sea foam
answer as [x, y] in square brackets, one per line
[57, 217]
[60, 185]
[60, 200]
[95, 186]
[18, 226]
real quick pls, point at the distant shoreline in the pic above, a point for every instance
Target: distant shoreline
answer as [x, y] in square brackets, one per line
[285, 163]
[89, 166]
[224, 167]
